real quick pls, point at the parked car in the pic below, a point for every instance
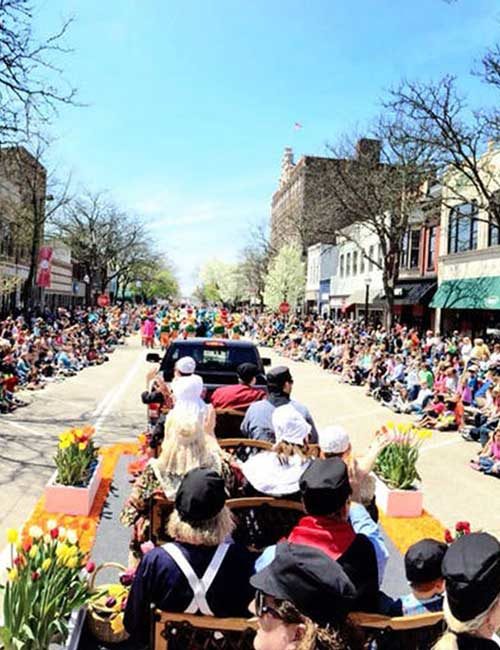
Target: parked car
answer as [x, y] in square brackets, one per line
[216, 360]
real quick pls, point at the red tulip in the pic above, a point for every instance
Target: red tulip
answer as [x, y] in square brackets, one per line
[448, 537]
[35, 575]
[90, 567]
[110, 602]
[54, 533]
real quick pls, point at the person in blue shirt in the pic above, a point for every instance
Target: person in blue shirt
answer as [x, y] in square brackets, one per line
[423, 571]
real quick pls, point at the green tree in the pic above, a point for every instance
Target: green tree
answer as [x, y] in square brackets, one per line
[286, 278]
[162, 286]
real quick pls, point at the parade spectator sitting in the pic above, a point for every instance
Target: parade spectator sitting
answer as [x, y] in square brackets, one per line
[471, 570]
[334, 442]
[301, 602]
[419, 403]
[346, 534]
[186, 446]
[489, 457]
[423, 572]
[202, 571]
[277, 472]
[239, 396]
[257, 423]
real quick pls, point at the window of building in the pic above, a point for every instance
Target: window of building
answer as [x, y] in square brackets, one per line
[493, 232]
[380, 258]
[462, 228]
[403, 261]
[371, 253]
[341, 266]
[355, 263]
[362, 262]
[414, 248]
[348, 265]
[431, 249]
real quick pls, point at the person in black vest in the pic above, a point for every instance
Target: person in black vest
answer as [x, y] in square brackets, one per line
[169, 576]
[471, 570]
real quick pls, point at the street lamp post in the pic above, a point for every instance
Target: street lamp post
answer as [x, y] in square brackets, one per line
[367, 297]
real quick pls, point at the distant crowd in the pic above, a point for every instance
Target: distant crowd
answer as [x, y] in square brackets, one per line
[41, 348]
[450, 383]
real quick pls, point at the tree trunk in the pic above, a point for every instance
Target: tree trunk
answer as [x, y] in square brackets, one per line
[29, 283]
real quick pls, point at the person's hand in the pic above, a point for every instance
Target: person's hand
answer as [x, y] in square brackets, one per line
[153, 372]
[380, 442]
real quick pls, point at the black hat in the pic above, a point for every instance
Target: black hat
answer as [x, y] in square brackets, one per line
[247, 372]
[311, 580]
[325, 486]
[423, 561]
[200, 496]
[471, 568]
[278, 376]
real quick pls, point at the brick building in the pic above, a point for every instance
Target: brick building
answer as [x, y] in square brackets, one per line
[304, 203]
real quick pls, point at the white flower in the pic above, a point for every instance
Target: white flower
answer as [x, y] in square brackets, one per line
[62, 533]
[51, 524]
[71, 536]
[35, 532]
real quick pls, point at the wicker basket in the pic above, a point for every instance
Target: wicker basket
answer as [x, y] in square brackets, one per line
[99, 616]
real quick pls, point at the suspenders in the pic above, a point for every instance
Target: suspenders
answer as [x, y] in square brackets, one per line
[200, 586]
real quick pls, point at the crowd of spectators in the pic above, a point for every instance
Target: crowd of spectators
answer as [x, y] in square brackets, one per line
[449, 383]
[37, 349]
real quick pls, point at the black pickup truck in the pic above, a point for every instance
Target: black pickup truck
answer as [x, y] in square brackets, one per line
[216, 360]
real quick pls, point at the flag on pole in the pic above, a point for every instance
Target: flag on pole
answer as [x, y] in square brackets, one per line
[297, 126]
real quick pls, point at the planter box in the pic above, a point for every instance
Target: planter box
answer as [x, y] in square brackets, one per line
[398, 503]
[75, 627]
[72, 500]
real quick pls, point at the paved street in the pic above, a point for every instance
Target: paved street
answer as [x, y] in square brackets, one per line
[108, 397]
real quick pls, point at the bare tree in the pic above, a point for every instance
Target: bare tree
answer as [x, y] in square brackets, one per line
[436, 116]
[379, 189]
[254, 262]
[102, 238]
[31, 83]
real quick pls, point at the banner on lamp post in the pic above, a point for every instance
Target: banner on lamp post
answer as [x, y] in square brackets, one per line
[44, 275]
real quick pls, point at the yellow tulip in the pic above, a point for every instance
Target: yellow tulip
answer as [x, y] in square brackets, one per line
[390, 425]
[33, 551]
[12, 535]
[12, 574]
[46, 564]
[82, 446]
[72, 562]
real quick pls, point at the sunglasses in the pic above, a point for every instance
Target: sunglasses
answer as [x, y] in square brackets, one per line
[261, 609]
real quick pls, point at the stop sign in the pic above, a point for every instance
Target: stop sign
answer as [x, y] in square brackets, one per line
[284, 308]
[103, 300]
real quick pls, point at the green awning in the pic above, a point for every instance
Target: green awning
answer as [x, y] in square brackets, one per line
[469, 293]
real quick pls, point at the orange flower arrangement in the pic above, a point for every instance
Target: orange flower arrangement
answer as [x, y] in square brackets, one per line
[85, 527]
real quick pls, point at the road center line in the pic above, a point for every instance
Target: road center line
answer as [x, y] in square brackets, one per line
[118, 392]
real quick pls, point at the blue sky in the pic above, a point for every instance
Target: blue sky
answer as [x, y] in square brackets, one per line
[191, 102]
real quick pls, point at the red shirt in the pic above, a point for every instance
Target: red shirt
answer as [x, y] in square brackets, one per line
[236, 396]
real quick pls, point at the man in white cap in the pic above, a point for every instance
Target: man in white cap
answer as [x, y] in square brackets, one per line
[184, 367]
[334, 441]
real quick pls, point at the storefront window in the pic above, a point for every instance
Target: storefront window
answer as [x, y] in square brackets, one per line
[462, 229]
[414, 248]
[404, 251]
[431, 249]
[493, 232]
